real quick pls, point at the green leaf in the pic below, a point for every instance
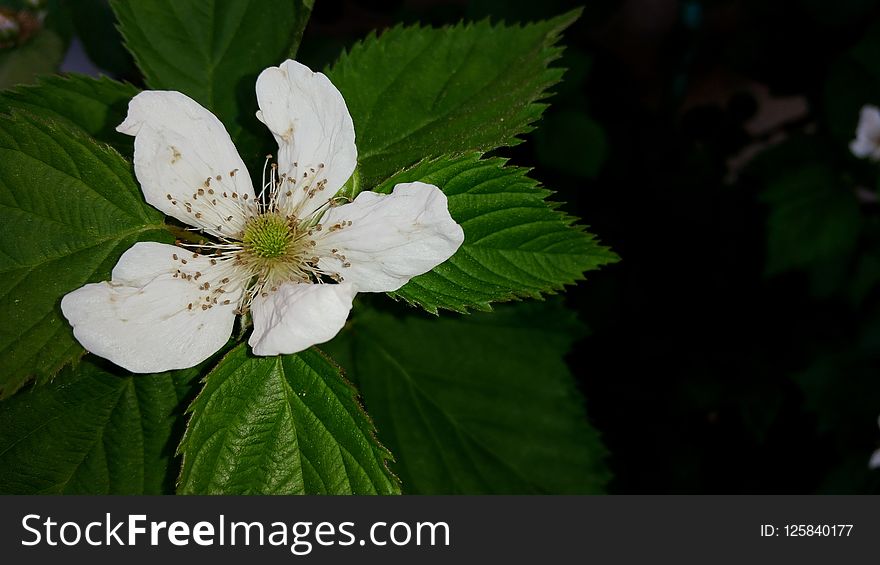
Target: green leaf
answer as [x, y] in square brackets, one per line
[813, 217]
[40, 55]
[281, 425]
[97, 105]
[515, 245]
[212, 51]
[69, 208]
[93, 432]
[416, 92]
[482, 404]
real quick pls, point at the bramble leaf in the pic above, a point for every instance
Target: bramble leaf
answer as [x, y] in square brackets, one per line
[516, 243]
[417, 92]
[213, 51]
[69, 208]
[97, 105]
[93, 432]
[478, 404]
[281, 425]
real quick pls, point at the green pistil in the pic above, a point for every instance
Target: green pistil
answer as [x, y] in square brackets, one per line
[268, 236]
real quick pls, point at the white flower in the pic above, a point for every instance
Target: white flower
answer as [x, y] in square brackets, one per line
[867, 141]
[293, 254]
[874, 462]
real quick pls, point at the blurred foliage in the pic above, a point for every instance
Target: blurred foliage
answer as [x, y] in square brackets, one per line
[35, 37]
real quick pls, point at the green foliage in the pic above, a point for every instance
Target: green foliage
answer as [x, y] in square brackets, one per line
[417, 93]
[478, 404]
[516, 244]
[69, 207]
[93, 432]
[813, 217]
[97, 105]
[212, 51]
[281, 425]
[40, 55]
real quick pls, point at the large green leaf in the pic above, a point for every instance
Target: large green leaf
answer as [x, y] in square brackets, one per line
[479, 404]
[69, 208]
[97, 105]
[93, 432]
[516, 243]
[417, 92]
[281, 425]
[213, 50]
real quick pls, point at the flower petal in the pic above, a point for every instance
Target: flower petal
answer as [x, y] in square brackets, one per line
[146, 319]
[869, 121]
[315, 135]
[297, 316]
[863, 147]
[392, 237]
[874, 462]
[178, 146]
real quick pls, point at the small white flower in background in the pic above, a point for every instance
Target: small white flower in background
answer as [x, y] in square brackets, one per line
[867, 141]
[874, 462]
[292, 254]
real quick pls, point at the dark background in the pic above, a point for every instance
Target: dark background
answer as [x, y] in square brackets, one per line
[735, 347]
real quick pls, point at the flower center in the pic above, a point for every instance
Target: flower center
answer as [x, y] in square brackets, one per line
[268, 235]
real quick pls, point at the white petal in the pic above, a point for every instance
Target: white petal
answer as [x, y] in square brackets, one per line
[179, 145]
[142, 319]
[310, 121]
[874, 462]
[862, 147]
[297, 316]
[869, 121]
[392, 237]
